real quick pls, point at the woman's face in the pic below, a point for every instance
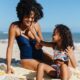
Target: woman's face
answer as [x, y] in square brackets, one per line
[28, 20]
[56, 36]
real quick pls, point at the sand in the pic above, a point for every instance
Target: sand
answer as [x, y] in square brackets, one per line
[21, 73]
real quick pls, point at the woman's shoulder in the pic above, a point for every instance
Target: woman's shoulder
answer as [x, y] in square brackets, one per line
[14, 25]
[37, 26]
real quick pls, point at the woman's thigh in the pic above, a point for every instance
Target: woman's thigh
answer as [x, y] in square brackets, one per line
[42, 56]
[31, 64]
[48, 59]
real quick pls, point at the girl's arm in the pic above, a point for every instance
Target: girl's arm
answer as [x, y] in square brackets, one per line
[48, 44]
[10, 47]
[40, 38]
[71, 56]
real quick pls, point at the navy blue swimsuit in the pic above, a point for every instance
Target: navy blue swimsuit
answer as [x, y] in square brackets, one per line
[28, 50]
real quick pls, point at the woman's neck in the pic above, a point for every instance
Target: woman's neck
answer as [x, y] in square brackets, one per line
[23, 27]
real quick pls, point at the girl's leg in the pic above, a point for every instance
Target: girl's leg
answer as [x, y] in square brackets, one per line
[64, 72]
[42, 68]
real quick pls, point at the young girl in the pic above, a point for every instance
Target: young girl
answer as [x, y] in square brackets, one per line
[62, 44]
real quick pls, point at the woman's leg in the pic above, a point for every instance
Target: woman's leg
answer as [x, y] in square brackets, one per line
[48, 59]
[31, 64]
[42, 68]
[42, 56]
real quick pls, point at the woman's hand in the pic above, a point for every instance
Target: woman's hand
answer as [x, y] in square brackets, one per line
[10, 71]
[33, 31]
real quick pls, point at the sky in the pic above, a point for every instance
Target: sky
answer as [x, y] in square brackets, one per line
[65, 12]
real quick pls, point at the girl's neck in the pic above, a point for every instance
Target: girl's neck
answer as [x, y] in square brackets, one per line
[59, 46]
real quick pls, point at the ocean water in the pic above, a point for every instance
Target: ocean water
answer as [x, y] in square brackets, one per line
[46, 35]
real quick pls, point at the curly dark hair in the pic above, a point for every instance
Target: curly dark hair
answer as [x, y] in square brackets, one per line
[24, 8]
[66, 36]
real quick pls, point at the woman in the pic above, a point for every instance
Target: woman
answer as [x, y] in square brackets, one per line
[27, 33]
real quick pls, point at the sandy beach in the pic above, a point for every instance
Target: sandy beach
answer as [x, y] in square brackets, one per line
[16, 55]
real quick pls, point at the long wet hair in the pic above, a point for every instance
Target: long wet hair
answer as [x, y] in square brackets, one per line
[66, 36]
[25, 7]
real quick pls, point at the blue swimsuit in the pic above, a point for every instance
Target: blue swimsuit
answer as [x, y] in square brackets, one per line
[28, 50]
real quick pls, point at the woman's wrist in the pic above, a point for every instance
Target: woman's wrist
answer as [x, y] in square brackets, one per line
[8, 69]
[37, 38]
[8, 66]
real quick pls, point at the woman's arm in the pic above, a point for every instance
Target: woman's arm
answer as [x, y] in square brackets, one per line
[33, 30]
[10, 47]
[39, 31]
[71, 56]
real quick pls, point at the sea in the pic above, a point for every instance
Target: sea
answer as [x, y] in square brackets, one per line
[46, 35]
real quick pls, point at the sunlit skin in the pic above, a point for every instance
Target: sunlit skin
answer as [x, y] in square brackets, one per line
[31, 28]
[28, 20]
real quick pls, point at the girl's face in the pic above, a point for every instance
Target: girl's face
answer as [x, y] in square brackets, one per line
[56, 37]
[28, 20]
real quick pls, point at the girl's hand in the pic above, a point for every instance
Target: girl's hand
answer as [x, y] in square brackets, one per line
[38, 46]
[71, 56]
[69, 51]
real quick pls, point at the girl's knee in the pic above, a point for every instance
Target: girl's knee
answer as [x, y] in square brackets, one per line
[41, 66]
[63, 65]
